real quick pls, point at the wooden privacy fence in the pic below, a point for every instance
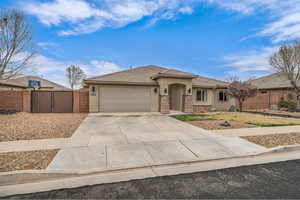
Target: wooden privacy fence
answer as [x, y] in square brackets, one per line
[45, 101]
[15, 100]
[265, 99]
[52, 101]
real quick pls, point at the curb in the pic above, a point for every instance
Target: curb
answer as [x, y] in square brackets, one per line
[149, 171]
[278, 149]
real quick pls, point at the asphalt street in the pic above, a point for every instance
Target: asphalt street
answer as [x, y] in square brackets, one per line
[268, 181]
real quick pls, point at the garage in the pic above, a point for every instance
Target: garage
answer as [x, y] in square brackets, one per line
[124, 99]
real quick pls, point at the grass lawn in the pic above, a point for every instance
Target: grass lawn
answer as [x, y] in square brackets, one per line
[275, 139]
[28, 126]
[26, 160]
[238, 120]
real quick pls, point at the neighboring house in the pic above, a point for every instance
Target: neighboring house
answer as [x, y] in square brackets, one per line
[30, 82]
[272, 88]
[4, 85]
[156, 89]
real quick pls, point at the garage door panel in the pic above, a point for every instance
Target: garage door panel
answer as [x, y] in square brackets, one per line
[125, 99]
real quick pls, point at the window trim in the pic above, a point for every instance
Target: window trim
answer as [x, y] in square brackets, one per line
[225, 96]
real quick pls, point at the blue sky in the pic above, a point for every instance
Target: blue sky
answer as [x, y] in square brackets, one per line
[215, 38]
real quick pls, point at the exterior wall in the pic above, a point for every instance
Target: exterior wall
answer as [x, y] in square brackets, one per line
[210, 98]
[202, 108]
[94, 98]
[155, 99]
[188, 104]
[164, 84]
[223, 105]
[164, 104]
[212, 102]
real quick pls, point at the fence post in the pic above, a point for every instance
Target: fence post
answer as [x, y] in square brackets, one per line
[76, 101]
[27, 101]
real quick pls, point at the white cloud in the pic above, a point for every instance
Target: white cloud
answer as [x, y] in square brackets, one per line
[186, 10]
[97, 67]
[55, 12]
[253, 61]
[54, 70]
[83, 16]
[86, 16]
[283, 22]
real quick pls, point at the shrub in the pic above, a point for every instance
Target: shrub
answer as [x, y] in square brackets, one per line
[290, 105]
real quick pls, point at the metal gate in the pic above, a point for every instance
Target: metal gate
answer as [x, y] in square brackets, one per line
[52, 102]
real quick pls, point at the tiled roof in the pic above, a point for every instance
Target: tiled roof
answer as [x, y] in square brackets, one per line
[272, 81]
[137, 75]
[208, 82]
[147, 74]
[23, 82]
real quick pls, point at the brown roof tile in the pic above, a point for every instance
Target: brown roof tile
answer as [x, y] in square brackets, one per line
[23, 82]
[272, 81]
[146, 74]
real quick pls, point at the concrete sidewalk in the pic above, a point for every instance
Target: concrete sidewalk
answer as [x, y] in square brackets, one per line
[257, 131]
[122, 156]
[141, 173]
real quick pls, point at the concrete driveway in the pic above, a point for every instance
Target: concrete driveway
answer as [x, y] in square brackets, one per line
[131, 140]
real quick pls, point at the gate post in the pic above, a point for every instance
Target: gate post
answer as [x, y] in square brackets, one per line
[76, 102]
[26, 101]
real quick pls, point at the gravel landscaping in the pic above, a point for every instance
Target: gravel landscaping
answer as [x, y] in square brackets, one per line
[28, 126]
[26, 160]
[275, 140]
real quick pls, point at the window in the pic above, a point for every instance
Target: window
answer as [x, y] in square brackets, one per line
[201, 95]
[222, 96]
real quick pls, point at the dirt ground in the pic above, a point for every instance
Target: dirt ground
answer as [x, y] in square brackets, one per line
[26, 160]
[215, 125]
[275, 139]
[28, 126]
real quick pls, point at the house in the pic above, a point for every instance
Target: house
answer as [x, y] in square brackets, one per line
[30, 82]
[156, 89]
[272, 88]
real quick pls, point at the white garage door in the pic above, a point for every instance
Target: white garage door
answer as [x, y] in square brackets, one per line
[124, 99]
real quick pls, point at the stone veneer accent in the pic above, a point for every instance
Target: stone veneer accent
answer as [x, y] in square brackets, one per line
[201, 108]
[164, 104]
[188, 104]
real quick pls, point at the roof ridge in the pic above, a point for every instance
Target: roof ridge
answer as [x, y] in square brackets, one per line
[31, 76]
[262, 77]
[126, 70]
[213, 79]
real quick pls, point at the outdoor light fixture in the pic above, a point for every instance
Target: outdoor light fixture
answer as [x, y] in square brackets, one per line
[189, 91]
[93, 89]
[155, 90]
[166, 90]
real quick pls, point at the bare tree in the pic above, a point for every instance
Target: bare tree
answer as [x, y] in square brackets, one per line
[15, 43]
[232, 79]
[287, 62]
[75, 75]
[241, 91]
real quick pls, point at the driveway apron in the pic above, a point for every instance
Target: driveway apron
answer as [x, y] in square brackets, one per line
[127, 141]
